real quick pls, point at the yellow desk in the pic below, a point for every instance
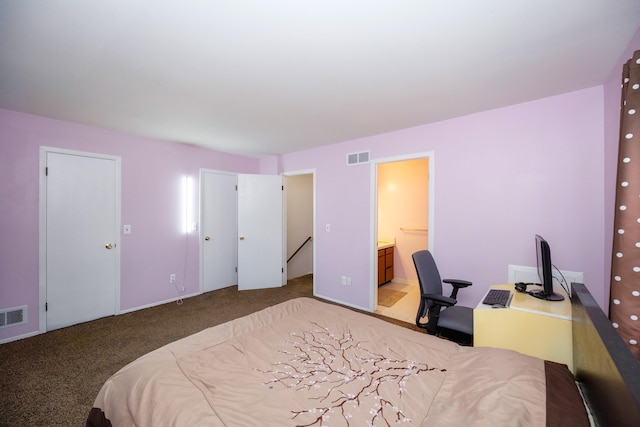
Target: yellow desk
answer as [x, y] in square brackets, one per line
[528, 325]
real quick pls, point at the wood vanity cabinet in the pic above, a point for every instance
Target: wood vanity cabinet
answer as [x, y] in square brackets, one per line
[385, 265]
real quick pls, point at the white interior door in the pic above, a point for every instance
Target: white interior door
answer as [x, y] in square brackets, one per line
[82, 226]
[219, 230]
[260, 232]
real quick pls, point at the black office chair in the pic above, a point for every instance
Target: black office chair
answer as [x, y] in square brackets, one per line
[444, 316]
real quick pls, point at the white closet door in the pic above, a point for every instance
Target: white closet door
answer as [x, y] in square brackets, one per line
[81, 238]
[260, 232]
[219, 231]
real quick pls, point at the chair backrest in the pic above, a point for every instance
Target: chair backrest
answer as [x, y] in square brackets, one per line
[428, 275]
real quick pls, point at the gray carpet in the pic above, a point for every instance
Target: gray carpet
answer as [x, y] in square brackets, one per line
[52, 379]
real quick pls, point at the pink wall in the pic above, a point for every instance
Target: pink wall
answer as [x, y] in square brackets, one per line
[151, 174]
[501, 176]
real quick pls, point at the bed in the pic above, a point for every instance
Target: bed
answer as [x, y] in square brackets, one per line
[310, 363]
[607, 372]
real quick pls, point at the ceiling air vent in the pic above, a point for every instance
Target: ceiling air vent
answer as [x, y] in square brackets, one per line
[13, 316]
[358, 158]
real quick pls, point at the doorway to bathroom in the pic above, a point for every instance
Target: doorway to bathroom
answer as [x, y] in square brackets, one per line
[403, 218]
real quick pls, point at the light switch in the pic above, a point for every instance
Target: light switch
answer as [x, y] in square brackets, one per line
[127, 229]
[328, 227]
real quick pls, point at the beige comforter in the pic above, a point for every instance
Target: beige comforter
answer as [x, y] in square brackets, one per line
[308, 363]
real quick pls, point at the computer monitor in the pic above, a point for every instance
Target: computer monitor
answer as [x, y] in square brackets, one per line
[543, 256]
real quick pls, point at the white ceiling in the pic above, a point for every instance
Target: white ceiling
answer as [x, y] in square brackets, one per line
[263, 77]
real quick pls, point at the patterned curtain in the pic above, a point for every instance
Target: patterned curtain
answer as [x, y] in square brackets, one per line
[624, 306]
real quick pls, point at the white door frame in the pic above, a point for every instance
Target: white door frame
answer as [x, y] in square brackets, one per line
[430, 156]
[42, 227]
[313, 237]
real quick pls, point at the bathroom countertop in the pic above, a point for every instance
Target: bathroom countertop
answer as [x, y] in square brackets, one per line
[384, 243]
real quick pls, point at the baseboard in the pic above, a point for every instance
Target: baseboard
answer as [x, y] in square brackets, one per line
[20, 337]
[357, 307]
[155, 304]
[129, 310]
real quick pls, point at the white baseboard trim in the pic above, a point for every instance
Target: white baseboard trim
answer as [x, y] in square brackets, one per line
[343, 303]
[20, 337]
[155, 304]
[34, 333]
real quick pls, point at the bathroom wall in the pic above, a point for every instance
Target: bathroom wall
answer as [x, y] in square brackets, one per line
[403, 203]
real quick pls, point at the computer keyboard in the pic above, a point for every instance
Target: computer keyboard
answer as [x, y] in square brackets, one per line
[497, 297]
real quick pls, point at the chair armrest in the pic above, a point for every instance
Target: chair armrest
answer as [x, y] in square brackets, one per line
[440, 299]
[456, 283]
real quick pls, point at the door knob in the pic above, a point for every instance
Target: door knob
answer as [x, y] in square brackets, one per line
[241, 237]
[108, 246]
[207, 238]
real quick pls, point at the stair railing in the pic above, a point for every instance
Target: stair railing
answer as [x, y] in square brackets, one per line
[298, 250]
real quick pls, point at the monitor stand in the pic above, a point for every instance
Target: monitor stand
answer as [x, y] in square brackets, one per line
[548, 297]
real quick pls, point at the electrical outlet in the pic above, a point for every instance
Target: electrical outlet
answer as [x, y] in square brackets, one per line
[348, 281]
[344, 280]
[172, 278]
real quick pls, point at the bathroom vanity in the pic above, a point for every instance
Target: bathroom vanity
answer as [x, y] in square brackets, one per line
[386, 248]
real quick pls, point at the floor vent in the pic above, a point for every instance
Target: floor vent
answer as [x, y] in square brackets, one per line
[13, 316]
[358, 158]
